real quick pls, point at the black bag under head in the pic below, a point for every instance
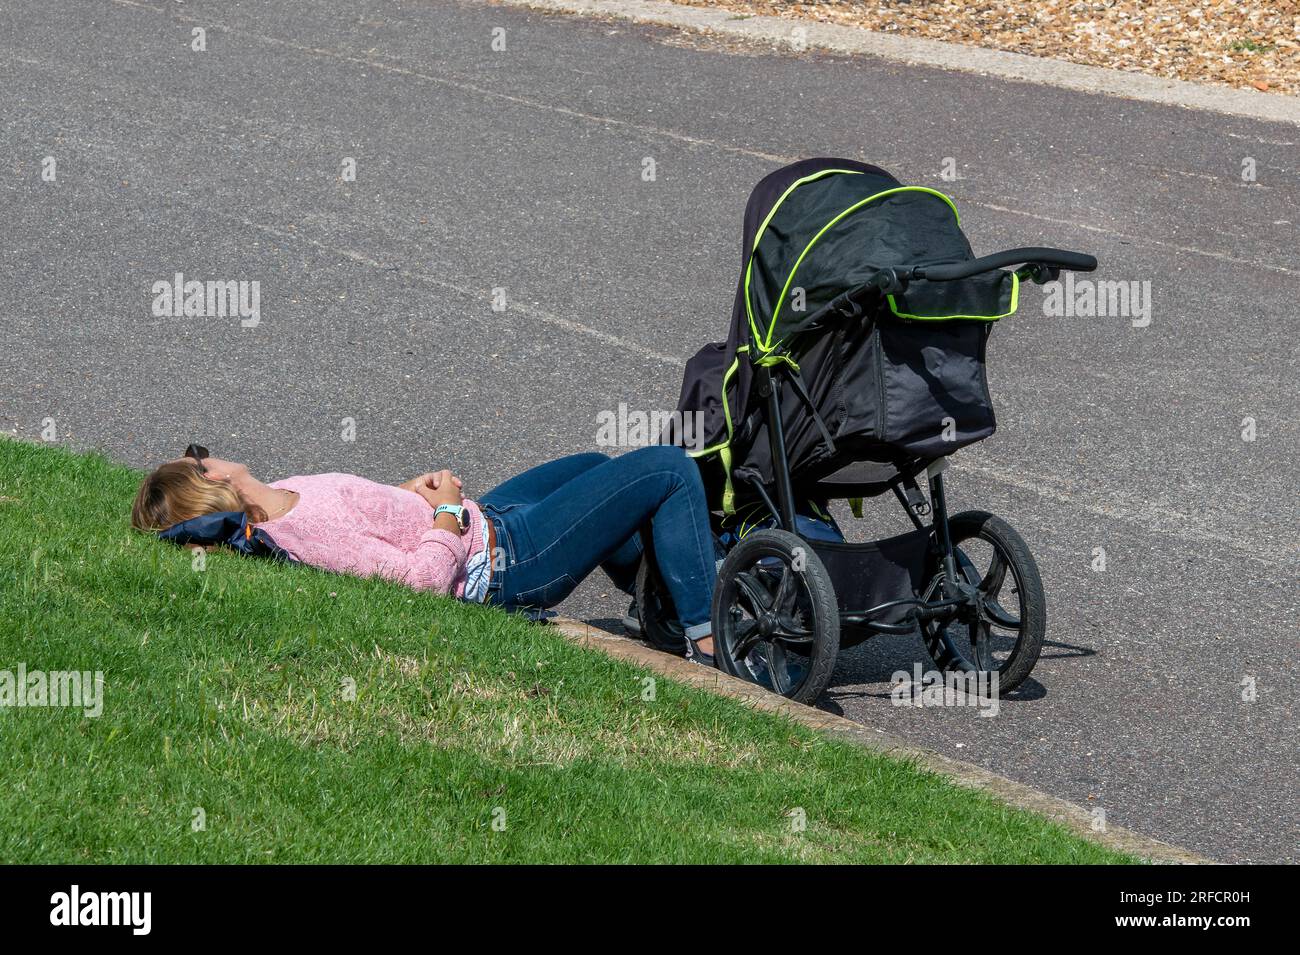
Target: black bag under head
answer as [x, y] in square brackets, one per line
[863, 374]
[226, 529]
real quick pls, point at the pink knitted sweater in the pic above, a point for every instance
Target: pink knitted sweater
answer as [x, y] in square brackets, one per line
[347, 524]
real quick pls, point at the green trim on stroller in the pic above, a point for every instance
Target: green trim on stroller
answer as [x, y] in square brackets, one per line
[762, 230]
[723, 448]
[764, 341]
[1011, 309]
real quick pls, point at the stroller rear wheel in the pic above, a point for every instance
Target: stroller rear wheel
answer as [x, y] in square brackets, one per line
[775, 620]
[1007, 636]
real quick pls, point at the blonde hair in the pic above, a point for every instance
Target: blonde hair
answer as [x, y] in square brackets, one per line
[178, 491]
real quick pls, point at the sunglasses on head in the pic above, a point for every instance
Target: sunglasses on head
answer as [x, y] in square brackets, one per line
[196, 451]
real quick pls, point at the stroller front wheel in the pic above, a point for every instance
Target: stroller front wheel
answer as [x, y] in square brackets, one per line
[775, 619]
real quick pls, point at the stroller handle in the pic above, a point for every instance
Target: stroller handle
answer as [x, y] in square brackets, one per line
[1045, 259]
[1044, 266]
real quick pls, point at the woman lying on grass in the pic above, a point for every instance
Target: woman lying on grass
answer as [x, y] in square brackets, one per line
[554, 525]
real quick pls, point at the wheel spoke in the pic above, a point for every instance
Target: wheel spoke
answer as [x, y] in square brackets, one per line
[776, 673]
[754, 593]
[954, 652]
[790, 630]
[784, 590]
[999, 615]
[747, 636]
[789, 627]
[983, 653]
[966, 567]
[793, 638]
[991, 585]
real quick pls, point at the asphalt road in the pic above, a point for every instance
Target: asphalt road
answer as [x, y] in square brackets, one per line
[522, 170]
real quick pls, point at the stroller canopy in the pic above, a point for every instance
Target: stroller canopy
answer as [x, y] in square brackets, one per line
[815, 232]
[823, 227]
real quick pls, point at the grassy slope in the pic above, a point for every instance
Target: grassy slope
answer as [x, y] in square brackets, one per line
[224, 691]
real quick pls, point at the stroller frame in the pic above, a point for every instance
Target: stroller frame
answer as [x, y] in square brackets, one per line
[956, 594]
[892, 382]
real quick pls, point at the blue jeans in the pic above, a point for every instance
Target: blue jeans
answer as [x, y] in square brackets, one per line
[559, 521]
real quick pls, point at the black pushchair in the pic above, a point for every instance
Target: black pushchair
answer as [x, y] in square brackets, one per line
[853, 368]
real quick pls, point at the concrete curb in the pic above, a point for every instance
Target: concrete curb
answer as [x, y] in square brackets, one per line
[780, 31]
[1074, 817]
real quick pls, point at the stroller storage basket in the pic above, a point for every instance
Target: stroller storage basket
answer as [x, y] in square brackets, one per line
[867, 575]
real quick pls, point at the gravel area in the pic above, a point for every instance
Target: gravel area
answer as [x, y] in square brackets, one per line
[1245, 44]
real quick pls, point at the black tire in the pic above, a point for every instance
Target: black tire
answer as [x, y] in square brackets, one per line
[659, 625]
[1012, 650]
[775, 619]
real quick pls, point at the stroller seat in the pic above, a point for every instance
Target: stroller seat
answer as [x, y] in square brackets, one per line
[863, 478]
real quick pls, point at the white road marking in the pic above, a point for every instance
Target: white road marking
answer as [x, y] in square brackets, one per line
[476, 294]
[371, 63]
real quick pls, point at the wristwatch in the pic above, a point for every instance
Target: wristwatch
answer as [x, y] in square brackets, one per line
[457, 511]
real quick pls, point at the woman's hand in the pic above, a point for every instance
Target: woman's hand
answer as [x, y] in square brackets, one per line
[436, 487]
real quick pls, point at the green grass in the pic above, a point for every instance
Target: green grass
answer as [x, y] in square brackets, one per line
[1249, 46]
[224, 691]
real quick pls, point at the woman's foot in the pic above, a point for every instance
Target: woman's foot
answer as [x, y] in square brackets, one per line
[700, 651]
